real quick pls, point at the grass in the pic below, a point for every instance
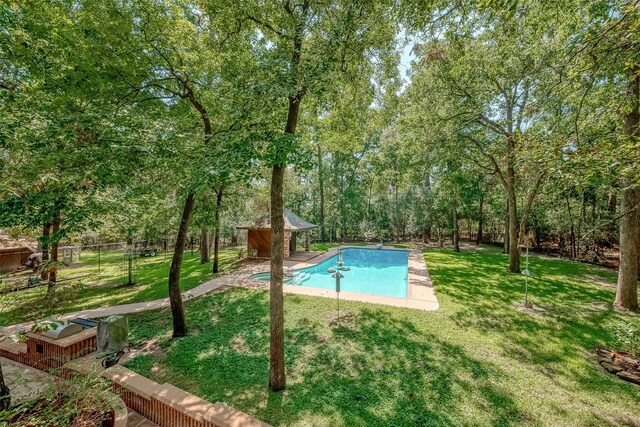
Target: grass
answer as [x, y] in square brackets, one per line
[479, 360]
[89, 288]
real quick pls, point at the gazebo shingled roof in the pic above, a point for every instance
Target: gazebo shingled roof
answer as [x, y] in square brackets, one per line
[292, 222]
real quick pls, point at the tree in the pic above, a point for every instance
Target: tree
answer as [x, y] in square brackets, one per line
[176, 55]
[488, 72]
[607, 49]
[311, 43]
[60, 146]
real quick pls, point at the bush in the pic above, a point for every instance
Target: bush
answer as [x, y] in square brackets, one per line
[627, 336]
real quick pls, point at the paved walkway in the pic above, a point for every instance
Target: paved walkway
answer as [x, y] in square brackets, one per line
[229, 279]
[421, 294]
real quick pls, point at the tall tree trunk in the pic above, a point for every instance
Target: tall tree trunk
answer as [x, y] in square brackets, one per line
[396, 212]
[323, 236]
[480, 220]
[5, 393]
[456, 231]
[425, 235]
[572, 235]
[612, 203]
[204, 245]
[277, 379]
[216, 236]
[46, 236]
[505, 250]
[514, 250]
[528, 207]
[53, 272]
[627, 290]
[175, 299]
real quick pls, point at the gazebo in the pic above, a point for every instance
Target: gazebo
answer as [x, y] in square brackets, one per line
[259, 234]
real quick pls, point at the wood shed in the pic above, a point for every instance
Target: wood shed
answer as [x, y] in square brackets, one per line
[259, 234]
[12, 258]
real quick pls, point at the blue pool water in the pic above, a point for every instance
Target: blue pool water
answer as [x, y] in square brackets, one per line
[372, 271]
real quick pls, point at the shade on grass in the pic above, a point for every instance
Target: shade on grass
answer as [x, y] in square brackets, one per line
[92, 289]
[479, 360]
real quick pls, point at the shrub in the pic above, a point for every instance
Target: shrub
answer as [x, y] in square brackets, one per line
[627, 336]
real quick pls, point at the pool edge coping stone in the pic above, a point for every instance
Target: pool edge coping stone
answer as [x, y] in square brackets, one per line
[420, 292]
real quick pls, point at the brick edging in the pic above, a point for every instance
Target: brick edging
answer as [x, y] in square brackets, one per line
[166, 404]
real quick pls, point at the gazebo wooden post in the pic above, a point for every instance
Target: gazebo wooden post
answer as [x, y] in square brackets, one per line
[306, 241]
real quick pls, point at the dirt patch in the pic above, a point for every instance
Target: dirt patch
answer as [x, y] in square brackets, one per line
[620, 363]
[151, 347]
[239, 344]
[251, 261]
[343, 320]
[589, 278]
[533, 309]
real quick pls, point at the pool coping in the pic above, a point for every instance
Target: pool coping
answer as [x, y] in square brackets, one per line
[420, 292]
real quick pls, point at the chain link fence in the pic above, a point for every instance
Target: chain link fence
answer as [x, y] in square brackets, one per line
[99, 263]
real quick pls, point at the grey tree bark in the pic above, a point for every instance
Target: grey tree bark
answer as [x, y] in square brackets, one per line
[456, 231]
[627, 289]
[204, 245]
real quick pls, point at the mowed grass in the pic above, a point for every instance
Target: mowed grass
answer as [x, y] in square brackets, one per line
[88, 288]
[479, 360]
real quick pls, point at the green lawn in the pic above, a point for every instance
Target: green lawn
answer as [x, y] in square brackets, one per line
[479, 360]
[92, 289]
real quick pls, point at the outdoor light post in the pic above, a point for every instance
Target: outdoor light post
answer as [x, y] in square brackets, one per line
[335, 273]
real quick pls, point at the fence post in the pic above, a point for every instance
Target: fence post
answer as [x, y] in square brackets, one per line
[98, 257]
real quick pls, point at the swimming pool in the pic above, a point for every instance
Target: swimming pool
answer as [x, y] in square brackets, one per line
[371, 271]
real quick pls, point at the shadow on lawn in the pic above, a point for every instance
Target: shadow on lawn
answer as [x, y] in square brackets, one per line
[377, 369]
[151, 284]
[387, 366]
[381, 370]
[558, 338]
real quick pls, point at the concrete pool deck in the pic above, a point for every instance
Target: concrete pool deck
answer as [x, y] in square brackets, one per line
[420, 292]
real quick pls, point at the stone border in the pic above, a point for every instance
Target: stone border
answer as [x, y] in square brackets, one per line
[420, 292]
